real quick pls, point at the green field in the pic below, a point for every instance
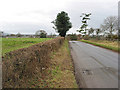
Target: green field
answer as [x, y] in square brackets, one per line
[10, 44]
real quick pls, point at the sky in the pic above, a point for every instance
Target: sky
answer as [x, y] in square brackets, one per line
[28, 16]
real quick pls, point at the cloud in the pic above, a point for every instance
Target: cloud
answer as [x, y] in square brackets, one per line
[26, 28]
[27, 16]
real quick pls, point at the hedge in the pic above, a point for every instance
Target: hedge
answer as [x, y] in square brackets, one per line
[21, 65]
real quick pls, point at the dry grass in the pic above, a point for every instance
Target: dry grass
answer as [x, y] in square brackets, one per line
[61, 72]
[107, 43]
[112, 45]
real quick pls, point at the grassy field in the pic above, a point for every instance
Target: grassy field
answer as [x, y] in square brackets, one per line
[10, 44]
[103, 43]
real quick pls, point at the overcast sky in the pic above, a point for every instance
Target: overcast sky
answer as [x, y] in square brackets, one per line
[28, 16]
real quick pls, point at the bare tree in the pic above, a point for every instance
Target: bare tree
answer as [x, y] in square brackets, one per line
[110, 25]
[90, 31]
[98, 31]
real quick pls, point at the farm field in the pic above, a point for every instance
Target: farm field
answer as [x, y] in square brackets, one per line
[10, 44]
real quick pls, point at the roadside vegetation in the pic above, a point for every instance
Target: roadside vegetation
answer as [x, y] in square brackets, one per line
[62, 70]
[44, 65]
[60, 73]
[27, 67]
[105, 36]
[107, 31]
[104, 43]
[10, 44]
[49, 65]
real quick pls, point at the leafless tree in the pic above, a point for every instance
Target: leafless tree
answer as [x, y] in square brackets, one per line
[98, 31]
[91, 31]
[110, 25]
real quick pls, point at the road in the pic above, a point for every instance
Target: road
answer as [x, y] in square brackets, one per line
[95, 67]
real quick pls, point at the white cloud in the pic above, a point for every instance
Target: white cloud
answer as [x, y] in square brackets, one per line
[19, 10]
[42, 12]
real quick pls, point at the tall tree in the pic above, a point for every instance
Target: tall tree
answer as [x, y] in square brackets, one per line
[85, 18]
[62, 23]
[110, 25]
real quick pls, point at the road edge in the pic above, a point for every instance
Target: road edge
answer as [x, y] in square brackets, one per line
[79, 80]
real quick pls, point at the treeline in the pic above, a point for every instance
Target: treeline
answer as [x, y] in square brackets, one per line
[108, 30]
[38, 34]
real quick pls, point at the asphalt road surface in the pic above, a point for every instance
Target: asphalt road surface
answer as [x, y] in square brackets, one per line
[95, 67]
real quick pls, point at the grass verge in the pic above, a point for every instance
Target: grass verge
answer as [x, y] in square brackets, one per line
[104, 45]
[60, 73]
[61, 70]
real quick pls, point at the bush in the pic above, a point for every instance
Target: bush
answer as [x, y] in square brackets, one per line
[86, 37]
[42, 35]
[73, 37]
[20, 66]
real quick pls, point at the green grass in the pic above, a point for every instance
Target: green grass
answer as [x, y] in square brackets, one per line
[102, 45]
[10, 44]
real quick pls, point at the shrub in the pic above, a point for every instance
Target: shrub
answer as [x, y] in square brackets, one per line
[73, 37]
[22, 65]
